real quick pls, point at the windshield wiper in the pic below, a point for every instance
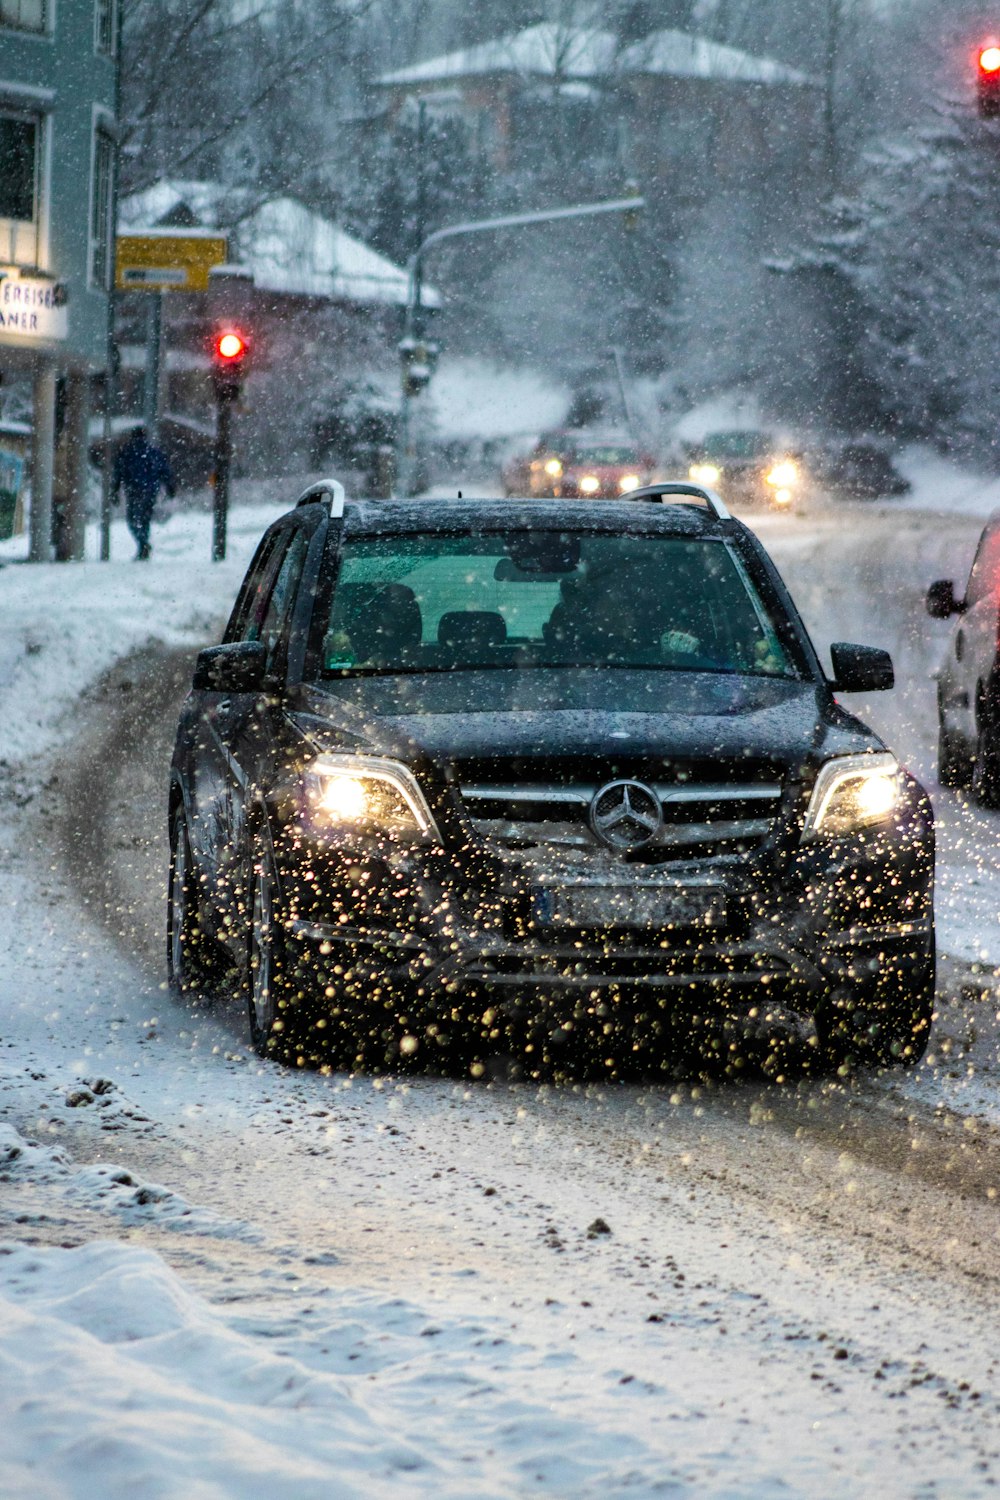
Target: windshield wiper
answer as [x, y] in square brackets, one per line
[333, 674]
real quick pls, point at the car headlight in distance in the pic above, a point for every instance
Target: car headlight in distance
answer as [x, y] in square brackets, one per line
[554, 468]
[851, 793]
[367, 795]
[589, 484]
[628, 482]
[783, 476]
[705, 473]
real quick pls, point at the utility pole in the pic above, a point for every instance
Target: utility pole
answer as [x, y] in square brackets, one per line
[111, 357]
[416, 368]
[43, 441]
[223, 469]
[834, 42]
[230, 293]
[154, 347]
[228, 369]
[420, 228]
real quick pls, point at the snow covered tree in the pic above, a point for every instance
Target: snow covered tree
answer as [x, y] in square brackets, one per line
[222, 88]
[914, 257]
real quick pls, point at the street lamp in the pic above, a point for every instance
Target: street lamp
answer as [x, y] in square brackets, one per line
[412, 343]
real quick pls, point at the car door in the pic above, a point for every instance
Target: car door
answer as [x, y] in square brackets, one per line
[248, 724]
[208, 778]
[974, 642]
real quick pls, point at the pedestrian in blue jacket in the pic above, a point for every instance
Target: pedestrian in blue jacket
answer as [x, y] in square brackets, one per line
[141, 470]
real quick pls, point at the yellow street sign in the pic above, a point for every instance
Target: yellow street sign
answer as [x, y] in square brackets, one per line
[168, 260]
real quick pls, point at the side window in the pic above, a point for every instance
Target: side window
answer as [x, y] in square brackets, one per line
[21, 155]
[984, 580]
[25, 15]
[251, 602]
[273, 630]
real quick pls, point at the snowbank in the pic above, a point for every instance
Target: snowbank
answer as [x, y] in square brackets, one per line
[66, 624]
[116, 1379]
[940, 484]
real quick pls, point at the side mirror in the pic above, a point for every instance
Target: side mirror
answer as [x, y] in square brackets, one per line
[861, 669]
[238, 667]
[941, 601]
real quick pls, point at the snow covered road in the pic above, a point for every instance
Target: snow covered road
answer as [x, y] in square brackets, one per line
[220, 1278]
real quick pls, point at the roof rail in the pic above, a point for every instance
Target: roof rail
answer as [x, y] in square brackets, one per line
[681, 487]
[330, 491]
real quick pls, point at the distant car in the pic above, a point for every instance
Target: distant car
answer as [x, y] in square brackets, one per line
[865, 472]
[550, 777]
[968, 680]
[747, 466]
[577, 465]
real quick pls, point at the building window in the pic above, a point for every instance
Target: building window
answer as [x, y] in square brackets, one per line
[106, 27]
[101, 211]
[19, 151]
[29, 15]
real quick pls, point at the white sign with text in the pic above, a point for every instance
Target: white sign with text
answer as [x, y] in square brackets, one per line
[32, 307]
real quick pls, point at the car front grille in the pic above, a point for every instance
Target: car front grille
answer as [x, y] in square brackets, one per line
[702, 819]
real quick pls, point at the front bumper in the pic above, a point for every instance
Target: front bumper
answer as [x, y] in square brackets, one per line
[797, 925]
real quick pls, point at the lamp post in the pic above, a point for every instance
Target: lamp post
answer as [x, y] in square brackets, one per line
[414, 354]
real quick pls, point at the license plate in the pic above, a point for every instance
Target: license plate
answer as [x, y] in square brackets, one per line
[626, 906]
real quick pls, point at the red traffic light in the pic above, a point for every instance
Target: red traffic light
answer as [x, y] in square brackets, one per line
[988, 80]
[230, 346]
[230, 363]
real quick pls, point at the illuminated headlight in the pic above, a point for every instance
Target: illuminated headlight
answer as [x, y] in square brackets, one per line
[782, 497]
[554, 468]
[705, 473]
[367, 795]
[783, 476]
[628, 482]
[853, 792]
[589, 484]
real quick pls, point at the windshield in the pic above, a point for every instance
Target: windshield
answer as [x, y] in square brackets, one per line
[535, 599]
[606, 453]
[737, 445]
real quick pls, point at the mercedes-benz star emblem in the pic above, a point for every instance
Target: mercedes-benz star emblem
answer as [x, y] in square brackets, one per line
[626, 814]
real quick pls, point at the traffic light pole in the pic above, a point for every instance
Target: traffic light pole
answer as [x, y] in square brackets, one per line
[404, 450]
[223, 468]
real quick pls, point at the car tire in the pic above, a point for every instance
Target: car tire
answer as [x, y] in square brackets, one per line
[986, 769]
[195, 961]
[883, 1023]
[954, 762]
[277, 1004]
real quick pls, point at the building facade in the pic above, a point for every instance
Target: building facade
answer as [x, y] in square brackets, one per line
[664, 95]
[58, 151]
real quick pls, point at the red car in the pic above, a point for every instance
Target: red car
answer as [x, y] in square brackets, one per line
[578, 465]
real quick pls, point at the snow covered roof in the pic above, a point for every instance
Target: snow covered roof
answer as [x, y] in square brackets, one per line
[545, 51]
[290, 248]
[550, 50]
[676, 54]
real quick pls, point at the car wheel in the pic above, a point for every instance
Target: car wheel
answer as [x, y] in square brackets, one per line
[883, 1023]
[276, 1003]
[195, 960]
[954, 762]
[265, 969]
[986, 770]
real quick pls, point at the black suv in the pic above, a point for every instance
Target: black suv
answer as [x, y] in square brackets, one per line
[548, 776]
